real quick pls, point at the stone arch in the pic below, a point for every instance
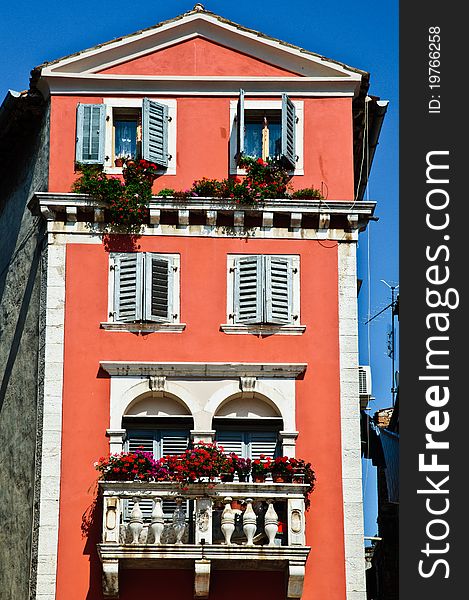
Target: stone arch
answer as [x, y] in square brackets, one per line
[123, 399]
[283, 405]
[254, 406]
[157, 404]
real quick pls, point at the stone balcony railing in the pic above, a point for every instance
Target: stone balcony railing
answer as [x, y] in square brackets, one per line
[237, 525]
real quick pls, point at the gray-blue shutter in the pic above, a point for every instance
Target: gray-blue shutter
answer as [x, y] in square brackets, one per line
[91, 124]
[155, 132]
[248, 289]
[288, 156]
[159, 284]
[240, 125]
[278, 289]
[174, 442]
[128, 280]
[232, 441]
[262, 442]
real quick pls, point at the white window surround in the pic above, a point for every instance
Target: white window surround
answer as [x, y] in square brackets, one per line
[172, 327]
[262, 329]
[266, 105]
[202, 388]
[112, 103]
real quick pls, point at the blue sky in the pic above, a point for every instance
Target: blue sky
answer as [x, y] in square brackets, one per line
[361, 34]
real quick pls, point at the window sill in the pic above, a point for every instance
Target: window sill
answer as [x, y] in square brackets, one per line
[263, 329]
[144, 327]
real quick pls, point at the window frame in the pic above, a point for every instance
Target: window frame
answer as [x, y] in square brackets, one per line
[270, 105]
[172, 326]
[137, 103]
[293, 328]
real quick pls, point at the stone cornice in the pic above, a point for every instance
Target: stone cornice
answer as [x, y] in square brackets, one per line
[199, 369]
[319, 215]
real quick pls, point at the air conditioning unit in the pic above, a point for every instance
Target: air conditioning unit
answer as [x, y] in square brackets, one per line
[364, 384]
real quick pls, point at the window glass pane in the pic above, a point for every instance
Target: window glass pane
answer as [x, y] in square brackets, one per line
[275, 140]
[126, 138]
[253, 139]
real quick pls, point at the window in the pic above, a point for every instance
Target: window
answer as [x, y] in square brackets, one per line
[265, 289]
[159, 442]
[267, 129]
[144, 287]
[123, 127]
[248, 444]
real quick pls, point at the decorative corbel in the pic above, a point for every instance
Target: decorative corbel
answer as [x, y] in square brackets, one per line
[111, 578]
[295, 220]
[183, 218]
[324, 224]
[155, 216]
[238, 218]
[296, 577]
[202, 578]
[267, 219]
[352, 220]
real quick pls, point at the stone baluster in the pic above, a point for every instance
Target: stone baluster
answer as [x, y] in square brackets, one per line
[135, 521]
[249, 522]
[157, 521]
[271, 523]
[227, 521]
[179, 520]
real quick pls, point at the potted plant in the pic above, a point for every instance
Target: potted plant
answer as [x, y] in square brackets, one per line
[242, 466]
[282, 470]
[131, 466]
[119, 160]
[260, 468]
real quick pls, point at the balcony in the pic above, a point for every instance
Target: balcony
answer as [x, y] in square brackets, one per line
[235, 526]
[73, 213]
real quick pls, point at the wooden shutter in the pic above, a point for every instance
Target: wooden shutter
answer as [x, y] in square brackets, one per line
[278, 289]
[155, 132]
[138, 440]
[159, 284]
[91, 122]
[240, 125]
[232, 441]
[288, 132]
[262, 442]
[173, 442]
[128, 280]
[248, 289]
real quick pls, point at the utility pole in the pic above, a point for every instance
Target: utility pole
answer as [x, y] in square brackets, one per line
[393, 289]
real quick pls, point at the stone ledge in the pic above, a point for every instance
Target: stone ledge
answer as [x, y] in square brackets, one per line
[263, 329]
[144, 327]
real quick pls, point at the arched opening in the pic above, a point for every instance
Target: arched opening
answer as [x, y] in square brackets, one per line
[157, 423]
[249, 425]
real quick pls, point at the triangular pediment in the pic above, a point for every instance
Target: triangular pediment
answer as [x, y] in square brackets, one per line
[197, 57]
[139, 53]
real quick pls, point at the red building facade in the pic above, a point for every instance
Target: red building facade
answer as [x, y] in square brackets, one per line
[211, 366]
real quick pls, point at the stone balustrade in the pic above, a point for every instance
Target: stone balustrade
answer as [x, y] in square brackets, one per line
[149, 525]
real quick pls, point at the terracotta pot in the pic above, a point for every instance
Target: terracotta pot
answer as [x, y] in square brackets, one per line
[119, 162]
[258, 478]
[226, 476]
[277, 478]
